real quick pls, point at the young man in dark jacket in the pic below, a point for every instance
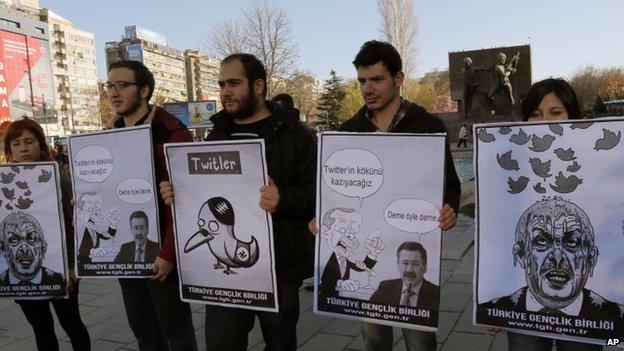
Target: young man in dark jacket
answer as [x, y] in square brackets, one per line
[378, 66]
[157, 316]
[289, 197]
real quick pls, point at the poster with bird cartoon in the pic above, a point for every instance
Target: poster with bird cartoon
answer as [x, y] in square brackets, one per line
[378, 250]
[32, 232]
[224, 240]
[116, 219]
[550, 228]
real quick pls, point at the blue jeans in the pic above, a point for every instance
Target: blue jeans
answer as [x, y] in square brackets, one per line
[157, 316]
[379, 338]
[227, 328]
[523, 342]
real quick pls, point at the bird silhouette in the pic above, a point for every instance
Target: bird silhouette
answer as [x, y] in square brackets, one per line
[22, 185]
[517, 186]
[520, 139]
[483, 135]
[565, 155]
[9, 194]
[539, 188]
[30, 167]
[581, 125]
[540, 168]
[216, 229]
[573, 167]
[7, 178]
[506, 162]
[23, 204]
[556, 129]
[44, 176]
[504, 130]
[28, 192]
[541, 144]
[564, 185]
[15, 169]
[608, 141]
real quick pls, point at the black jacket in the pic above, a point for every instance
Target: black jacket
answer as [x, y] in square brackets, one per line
[389, 292]
[291, 161]
[416, 120]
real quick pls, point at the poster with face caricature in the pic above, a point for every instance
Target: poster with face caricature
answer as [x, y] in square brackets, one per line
[550, 228]
[224, 240]
[116, 211]
[378, 250]
[32, 232]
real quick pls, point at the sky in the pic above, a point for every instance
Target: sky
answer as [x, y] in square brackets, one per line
[564, 35]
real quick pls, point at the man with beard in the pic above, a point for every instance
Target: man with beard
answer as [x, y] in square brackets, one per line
[289, 197]
[141, 249]
[379, 66]
[89, 210]
[412, 289]
[157, 316]
[23, 246]
[555, 247]
[340, 226]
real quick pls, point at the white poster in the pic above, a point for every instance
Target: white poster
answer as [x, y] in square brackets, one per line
[224, 240]
[378, 250]
[550, 228]
[32, 231]
[116, 211]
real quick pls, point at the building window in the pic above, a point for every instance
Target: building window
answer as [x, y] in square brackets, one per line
[40, 30]
[8, 23]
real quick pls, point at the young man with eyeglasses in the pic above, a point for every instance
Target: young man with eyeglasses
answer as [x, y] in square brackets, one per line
[157, 316]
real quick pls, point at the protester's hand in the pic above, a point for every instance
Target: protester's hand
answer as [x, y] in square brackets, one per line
[496, 330]
[71, 280]
[162, 268]
[448, 218]
[349, 285]
[113, 217]
[312, 227]
[374, 244]
[269, 197]
[166, 192]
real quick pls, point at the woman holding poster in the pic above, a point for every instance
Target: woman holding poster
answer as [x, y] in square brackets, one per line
[25, 142]
[549, 99]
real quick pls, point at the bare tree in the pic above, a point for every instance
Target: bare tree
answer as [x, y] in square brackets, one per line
[227, 38]
[265, 31]
[399, 26]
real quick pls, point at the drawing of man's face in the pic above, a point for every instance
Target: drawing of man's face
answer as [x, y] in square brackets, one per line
[342, 226]
[22, 245]
[555, 246]
[90, 213]
[412, 266]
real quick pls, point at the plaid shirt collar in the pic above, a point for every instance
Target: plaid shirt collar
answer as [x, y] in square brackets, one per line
[398, 115]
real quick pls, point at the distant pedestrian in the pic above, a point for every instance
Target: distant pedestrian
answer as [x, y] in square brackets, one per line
[463, 136]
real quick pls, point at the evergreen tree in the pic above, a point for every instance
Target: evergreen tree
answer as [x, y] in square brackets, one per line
[331, 100]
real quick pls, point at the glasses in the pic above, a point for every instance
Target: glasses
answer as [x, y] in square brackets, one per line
[118, 86]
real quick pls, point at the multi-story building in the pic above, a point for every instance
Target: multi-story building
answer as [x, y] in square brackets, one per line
[153, 49]
[75, 74]
[202, 75]
[26, 80]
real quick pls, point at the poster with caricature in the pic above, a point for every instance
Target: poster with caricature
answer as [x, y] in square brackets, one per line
[550, 233]
[378, 250]
[115, 213]
[32, 232]
[224, 240]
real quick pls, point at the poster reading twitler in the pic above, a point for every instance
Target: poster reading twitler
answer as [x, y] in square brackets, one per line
[115, 212]
[32, 232]
[224, 240]
[378, 250]
[550, 228]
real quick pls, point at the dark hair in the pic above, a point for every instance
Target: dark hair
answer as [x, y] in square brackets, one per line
[15, 130]
[221, 209]
[285, 99]
[254, 69]
[374, 51]
[413, 246]
[137, 215]
[562, 90]
[142, 75]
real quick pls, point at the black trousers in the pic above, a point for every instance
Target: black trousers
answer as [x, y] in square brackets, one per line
[158, 318]
[39, 316]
